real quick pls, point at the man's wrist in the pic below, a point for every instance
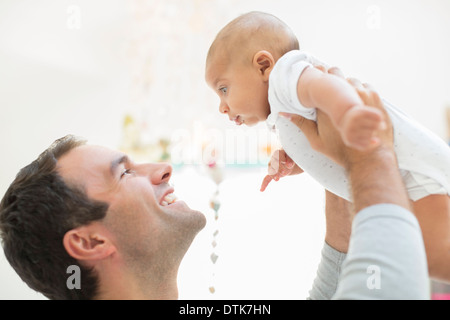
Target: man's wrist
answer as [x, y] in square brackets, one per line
[375, 179]
[355, 159]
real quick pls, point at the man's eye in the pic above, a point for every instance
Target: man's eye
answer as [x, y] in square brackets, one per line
[125, 172]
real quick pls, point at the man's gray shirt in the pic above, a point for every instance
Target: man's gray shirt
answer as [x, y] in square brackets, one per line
[386, 259]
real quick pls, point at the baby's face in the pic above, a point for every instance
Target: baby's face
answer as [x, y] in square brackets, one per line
[242, 91]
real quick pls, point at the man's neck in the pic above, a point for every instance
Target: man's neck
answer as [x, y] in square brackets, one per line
[124, 286]
[130, 293]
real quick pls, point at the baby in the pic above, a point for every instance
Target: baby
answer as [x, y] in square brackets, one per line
[258, 71]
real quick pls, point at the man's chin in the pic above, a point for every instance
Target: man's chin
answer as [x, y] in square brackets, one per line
[180, 207]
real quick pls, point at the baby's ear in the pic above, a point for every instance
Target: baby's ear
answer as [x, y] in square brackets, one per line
[264, 62]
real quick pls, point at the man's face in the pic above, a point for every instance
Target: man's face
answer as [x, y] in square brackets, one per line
[143, 221]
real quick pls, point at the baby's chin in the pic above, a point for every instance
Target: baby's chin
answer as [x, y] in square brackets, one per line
[251, 122]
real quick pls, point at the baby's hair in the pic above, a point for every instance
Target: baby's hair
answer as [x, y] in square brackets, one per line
[252, 32]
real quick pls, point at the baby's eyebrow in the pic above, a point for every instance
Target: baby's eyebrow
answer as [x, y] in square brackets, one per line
[217, 80]
[214, 81]
[117, 162]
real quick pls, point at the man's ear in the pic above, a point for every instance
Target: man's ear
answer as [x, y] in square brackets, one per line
[88, 243]
[264, 62]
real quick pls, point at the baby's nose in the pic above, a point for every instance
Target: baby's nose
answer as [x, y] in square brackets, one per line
[223, 108]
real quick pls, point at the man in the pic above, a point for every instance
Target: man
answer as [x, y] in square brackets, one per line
[88, 206]
[92, 207]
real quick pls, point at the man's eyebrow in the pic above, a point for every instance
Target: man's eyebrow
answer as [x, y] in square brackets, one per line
[117, 162]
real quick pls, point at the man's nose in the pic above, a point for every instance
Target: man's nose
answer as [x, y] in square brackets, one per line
[160, 173]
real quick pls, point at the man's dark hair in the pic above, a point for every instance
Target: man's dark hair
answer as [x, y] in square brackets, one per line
[35, 213]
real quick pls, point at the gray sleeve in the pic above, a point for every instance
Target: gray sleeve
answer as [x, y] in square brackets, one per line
[325, 283]
[386, 257]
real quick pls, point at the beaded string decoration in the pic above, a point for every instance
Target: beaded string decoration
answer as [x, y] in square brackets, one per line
[216, 174]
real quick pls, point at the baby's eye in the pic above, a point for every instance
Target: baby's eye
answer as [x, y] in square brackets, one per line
[223, 90]
[125, 172]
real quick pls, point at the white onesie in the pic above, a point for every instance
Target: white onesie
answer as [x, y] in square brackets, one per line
[423, 157]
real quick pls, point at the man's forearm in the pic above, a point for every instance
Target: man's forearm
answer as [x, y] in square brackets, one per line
[339, 216]
[375, 179]
[386, 258]
[337, 237]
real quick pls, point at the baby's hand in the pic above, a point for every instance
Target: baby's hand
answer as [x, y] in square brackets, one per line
[359, 126]
[280, 165]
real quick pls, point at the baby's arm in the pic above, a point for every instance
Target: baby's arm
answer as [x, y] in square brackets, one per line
[337, 98]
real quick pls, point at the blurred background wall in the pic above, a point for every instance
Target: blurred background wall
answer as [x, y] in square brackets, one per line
[129, 75]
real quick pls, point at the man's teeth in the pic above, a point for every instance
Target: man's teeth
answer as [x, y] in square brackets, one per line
[169, 199]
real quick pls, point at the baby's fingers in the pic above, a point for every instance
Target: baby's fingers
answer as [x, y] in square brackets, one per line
[289, 163]
[271, 170]
[265, 183]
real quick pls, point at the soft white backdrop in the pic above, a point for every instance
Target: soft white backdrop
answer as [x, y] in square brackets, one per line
[79, 66]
